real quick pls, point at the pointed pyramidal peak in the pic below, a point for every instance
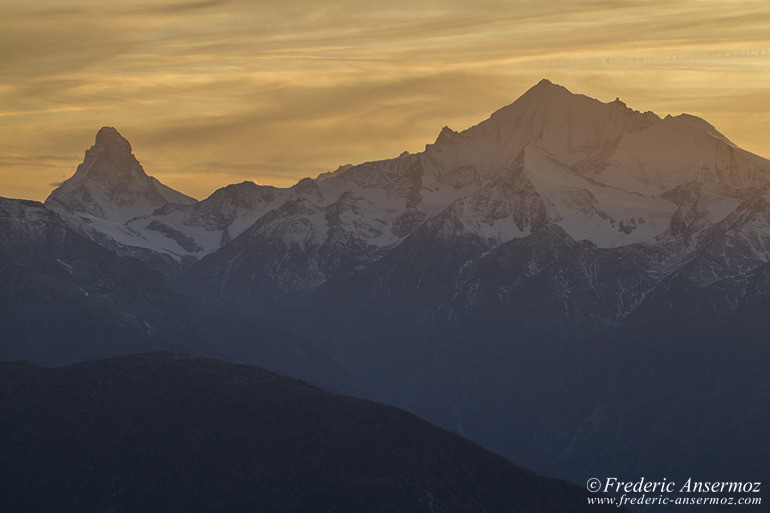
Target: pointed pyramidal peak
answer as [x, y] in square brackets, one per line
[447, 134]
[568, 126]
[550, 97]
[111, 184]
[110, 158]
[546, 84]
[545, 90]
[445, 137]
[110, 139]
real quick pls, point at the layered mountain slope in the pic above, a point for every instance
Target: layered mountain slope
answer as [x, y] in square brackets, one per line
[492, 282]
[559, 273]
[64, 298]
[596, 357]
[161, 432]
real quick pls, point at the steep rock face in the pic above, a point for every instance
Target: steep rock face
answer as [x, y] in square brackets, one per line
[110, 184]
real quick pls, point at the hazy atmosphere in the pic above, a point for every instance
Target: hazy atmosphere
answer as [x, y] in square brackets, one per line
[212, 92]
[514, 289]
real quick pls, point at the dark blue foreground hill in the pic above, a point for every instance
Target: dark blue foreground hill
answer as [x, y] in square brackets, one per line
[159, 432]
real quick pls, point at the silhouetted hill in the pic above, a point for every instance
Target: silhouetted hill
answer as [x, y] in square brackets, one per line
[160, 432]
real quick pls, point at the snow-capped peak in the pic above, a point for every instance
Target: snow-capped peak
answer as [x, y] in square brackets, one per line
[600, 171]
[111, 184]
[571, 127]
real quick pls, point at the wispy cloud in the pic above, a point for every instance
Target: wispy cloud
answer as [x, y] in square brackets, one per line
[215, 90]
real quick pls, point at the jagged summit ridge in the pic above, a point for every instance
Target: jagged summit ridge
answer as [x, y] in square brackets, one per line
[602, 172]
[111, 140]
[550, 161]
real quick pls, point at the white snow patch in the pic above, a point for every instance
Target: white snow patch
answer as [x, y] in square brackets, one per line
[606, 216]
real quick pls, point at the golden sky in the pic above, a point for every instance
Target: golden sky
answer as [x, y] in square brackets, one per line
[212, 92]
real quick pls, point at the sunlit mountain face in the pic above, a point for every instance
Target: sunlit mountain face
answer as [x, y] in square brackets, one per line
[576, 285]
[598, 172]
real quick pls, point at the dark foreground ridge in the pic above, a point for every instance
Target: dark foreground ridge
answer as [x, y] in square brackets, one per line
[160, 432]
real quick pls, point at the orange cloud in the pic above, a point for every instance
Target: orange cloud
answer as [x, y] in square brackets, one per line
[216, 91]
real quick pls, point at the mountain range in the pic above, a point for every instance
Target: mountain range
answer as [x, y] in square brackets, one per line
[601, 173]
[578, 275]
